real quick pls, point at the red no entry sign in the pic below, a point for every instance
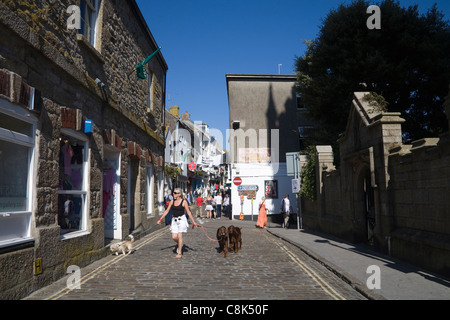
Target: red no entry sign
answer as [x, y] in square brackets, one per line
[237, 181]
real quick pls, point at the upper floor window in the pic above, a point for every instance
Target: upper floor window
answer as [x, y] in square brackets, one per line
[304, 133]
[300, 104]
[89, 14]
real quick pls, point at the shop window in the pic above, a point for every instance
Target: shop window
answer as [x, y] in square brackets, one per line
[73, 183]
[150, 191]
[17, 144]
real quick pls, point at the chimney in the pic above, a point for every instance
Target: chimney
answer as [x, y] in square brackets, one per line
[185, 116]
[175, 110]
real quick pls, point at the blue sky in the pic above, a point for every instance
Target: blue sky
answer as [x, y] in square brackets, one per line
[204, 40]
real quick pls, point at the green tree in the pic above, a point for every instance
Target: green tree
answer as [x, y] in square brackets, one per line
[308, 176]
[407, 62]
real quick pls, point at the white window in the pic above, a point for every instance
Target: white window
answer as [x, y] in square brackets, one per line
[150, 191]
[89, 14]
[17, 144]
[161, 192]
[73, 183]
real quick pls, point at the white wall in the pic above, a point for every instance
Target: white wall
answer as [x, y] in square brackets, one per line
[256, 174]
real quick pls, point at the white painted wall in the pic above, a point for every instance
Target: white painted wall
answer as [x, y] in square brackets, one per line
[256, 174]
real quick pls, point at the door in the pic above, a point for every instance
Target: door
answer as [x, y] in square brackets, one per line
[133, 172]
[111, 196]
[369, 206]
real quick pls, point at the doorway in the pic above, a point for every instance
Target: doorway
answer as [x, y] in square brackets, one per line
[111, 195]
[133, 173]
[369, 207]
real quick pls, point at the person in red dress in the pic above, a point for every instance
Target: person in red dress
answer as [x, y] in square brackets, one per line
[262, 216]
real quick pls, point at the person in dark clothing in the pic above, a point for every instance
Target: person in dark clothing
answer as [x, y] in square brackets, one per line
[179, 207]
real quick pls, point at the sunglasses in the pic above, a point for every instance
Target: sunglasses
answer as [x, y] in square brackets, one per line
[176, 193]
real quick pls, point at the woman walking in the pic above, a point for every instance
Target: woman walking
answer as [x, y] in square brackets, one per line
[209, 207]
[262, 216]
[179, 221]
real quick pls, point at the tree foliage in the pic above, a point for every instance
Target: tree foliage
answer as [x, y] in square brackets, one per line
[308, 176]
[407, 62]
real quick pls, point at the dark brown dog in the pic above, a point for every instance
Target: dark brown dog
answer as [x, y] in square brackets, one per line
[238, 237]
[235, 237]
[222, 237]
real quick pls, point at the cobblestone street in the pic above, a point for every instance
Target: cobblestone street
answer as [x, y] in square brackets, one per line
[267, 268]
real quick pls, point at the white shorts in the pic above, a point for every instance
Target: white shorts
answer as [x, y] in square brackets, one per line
[179, 224]
[209, 208]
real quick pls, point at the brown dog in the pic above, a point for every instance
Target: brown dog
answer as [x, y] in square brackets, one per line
[239, 237]
[222, 237]
[234, 234]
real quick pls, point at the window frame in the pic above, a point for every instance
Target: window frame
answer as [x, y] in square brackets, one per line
[160, 181]
[84, 191]
[300, 105]
[150, 190]
[27, 141]
[89, 22]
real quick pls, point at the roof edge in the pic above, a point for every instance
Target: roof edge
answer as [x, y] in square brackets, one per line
[234, 76]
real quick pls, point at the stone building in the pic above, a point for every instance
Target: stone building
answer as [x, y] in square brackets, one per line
[266, 123]
[178, 149]
[81, 138]
[385, 194]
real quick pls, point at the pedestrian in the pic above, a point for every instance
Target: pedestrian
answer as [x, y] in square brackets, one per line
[209, 207]
[218, 200]
[226, 206]
[167, 200]
[285, 210]
[262, 215]
[199, 212]
[179, 221]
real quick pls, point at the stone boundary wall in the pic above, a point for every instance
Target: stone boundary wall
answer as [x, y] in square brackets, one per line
[389, 195]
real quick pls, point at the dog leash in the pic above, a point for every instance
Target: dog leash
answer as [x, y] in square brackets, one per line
[193, 226]
[204, 231]
[146, 230]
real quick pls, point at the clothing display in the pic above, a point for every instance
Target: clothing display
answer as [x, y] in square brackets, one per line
[71, 163]
[109, 179]
[68, 153]
[77, 178]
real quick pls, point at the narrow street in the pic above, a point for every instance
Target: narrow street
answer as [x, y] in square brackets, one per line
[267, 268]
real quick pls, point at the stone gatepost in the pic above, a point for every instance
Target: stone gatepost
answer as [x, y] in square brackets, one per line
[324, 162]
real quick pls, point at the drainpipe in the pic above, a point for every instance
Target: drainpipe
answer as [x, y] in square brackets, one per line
[388, 238]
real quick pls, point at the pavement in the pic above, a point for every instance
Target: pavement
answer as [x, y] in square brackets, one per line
[398, 280]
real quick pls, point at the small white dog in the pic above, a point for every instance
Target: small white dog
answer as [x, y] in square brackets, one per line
[123, 247]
